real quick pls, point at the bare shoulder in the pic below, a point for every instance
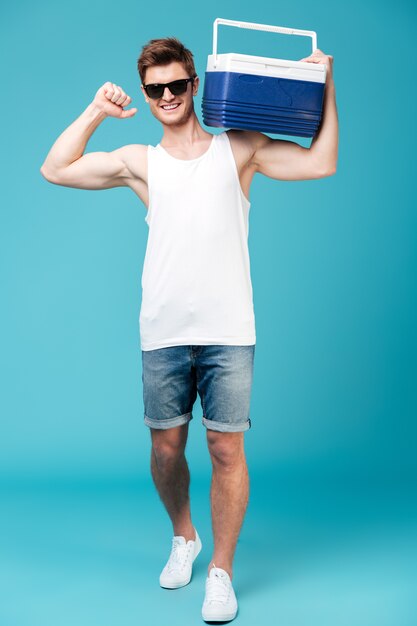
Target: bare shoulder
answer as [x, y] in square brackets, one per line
[134, 156]
[245, 143]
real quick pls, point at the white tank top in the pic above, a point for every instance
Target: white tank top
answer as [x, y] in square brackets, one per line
[196, 284]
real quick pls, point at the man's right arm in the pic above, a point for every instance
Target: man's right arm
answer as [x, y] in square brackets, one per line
[67, 165]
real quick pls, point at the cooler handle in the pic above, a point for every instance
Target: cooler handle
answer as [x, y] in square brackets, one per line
[253, 26]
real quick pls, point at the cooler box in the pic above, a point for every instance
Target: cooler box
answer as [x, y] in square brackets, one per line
[260, 93]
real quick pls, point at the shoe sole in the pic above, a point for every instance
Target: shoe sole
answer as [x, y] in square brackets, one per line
[183, 583]
[226, 617]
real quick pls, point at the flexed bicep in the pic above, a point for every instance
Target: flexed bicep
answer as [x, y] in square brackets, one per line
[94, 170]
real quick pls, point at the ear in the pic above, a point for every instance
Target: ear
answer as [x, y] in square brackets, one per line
[144, 94]
[196, 84]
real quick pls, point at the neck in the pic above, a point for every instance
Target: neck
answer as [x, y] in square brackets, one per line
[186, 134]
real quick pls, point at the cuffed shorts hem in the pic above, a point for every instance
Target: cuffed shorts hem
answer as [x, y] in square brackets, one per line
[168, 423]
[226, 428]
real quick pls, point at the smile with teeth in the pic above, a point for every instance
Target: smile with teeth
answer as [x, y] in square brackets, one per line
[169, 107]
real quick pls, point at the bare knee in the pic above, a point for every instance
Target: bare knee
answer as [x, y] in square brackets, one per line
[226, 449]
[168, 445]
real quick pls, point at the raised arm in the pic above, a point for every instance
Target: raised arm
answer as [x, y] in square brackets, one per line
[287, 160]
[66, 164]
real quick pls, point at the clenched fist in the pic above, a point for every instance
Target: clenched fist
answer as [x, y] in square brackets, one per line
[111, 99]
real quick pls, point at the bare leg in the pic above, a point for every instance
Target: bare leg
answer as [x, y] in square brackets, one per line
[229, 494]
[171, 476]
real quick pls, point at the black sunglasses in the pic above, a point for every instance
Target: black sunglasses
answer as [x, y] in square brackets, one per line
[176, 87]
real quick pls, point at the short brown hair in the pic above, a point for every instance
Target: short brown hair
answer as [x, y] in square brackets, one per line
[162, 52]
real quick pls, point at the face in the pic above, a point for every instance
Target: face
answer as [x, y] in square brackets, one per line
[184, 104]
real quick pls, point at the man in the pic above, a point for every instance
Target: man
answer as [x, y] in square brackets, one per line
[197, 320]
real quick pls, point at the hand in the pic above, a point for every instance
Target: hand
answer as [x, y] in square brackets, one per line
[111, 99]
[319, 57]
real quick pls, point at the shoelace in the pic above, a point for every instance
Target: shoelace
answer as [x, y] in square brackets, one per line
[217, 589]
[178, 556]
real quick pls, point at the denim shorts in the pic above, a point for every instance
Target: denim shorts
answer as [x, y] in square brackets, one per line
[221, 374]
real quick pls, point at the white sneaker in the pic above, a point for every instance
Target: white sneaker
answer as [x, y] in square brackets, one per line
[220, 604]
[178, 570]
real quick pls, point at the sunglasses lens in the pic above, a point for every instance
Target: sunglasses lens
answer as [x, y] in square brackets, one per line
[155, 91]
[178, 87]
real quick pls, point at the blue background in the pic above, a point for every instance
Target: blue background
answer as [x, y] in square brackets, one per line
[330, 528]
